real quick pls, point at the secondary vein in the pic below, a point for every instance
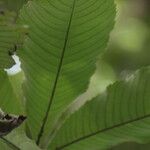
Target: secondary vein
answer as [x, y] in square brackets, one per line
[101, 131]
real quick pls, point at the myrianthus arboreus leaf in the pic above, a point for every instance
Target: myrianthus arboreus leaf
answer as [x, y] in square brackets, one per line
[59, 55]
[11, 35]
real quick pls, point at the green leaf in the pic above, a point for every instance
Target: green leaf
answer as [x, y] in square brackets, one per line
[7, 145]
[16, 83]
[18, 141]
[12, 5]
[60, 53]
[132, 146]
[10, 35]
[10, 103]
[8, 100]
[121, 114]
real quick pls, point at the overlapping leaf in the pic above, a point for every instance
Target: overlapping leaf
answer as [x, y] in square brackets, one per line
[10, 35]
[14, 5]
[17, 140]
[10, 103]
[120, 115]
[59, 56]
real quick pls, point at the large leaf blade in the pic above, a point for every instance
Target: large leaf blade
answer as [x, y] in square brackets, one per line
[60, 54]
[119, 115]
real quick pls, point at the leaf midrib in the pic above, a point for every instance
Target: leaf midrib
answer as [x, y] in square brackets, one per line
[57, 77]
[101, 131]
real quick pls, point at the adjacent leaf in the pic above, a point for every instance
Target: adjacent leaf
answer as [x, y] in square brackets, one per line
[17, 140]
[10, 103]
[10, 35]
[59, 56]
[119, 115]
[7, 145]
[16, 83]
[13, 5]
